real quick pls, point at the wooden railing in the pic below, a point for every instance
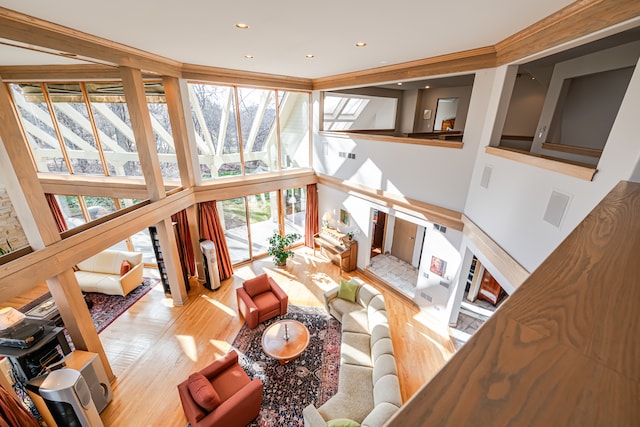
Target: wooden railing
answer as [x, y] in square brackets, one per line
[564, 349]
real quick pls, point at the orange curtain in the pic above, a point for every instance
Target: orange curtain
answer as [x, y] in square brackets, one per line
[12, 413]
[56, 212]
[311, 217]
[184, 242]
[210, 229]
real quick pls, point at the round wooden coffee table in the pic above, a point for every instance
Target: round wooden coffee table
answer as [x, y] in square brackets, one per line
[275, 343]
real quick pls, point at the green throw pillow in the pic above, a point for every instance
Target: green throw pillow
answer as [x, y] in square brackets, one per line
[348, 291]
[342, 422]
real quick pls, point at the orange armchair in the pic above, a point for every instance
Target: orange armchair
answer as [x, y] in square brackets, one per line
[221, 395]
[260, 299]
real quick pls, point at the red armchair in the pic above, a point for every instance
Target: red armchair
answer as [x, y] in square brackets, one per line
[260, 299]
[221, 395]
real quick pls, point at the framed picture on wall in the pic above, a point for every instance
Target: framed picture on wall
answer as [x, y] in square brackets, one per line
[438, 266]
[344, 217]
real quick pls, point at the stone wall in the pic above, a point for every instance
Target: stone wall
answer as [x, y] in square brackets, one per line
[10, 228]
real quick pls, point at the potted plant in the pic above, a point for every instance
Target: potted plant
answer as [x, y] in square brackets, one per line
[280, 247]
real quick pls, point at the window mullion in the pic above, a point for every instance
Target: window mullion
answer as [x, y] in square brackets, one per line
[239, 128]
[56, 127]
[94, 128]
[279, 148]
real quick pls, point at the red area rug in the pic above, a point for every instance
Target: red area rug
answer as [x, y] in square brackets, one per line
[106, 308]
[312, 378]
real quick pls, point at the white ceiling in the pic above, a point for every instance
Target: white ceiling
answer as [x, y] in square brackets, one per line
[282, 32]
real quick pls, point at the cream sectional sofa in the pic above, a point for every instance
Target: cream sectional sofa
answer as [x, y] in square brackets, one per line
[368, 387]
[101, 273]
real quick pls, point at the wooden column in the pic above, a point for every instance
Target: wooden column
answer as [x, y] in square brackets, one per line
[145, 142]
[184, 139]
[21, 179]
[74, 311]
[133, 86]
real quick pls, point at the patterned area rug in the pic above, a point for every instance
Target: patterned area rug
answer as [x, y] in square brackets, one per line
[289, 388]
[106, 308]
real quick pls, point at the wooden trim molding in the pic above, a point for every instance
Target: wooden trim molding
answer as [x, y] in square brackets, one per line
[573, 21]
[427, 211]
[228, 76]
[585, 172]
[395, 139]
[465, 61]
[99, 186]
[515, 273]
[572, 149]
[27, 29]
[57, 73]
[229, 188]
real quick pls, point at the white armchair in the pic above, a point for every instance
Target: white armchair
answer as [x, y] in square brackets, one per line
[101, 273]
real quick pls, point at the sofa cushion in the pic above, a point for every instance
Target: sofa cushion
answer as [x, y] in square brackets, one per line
[355, 321]
[257, 285]
[228, 382]
[387, 389]
[125, 267]
[385, 365]
[380, 414]
[342, 422]
[203, 392]
[379, 331]
[340, 306]
[365, 294]
[348, 291]
[109, 261]
[354, 381]
[266, 302]
[355, 349]
[380, 347]
[99, 282]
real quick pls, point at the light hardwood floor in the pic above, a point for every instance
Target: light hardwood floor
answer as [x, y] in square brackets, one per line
[155, 345]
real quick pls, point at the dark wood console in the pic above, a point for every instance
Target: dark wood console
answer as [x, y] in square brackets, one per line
[336, 246]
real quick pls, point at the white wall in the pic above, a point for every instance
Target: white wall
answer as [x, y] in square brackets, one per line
[430, 174]
[512, 208]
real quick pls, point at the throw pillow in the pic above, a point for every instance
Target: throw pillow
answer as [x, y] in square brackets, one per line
[203, 392]
[342, 422]
[348, 291]
[125, 267]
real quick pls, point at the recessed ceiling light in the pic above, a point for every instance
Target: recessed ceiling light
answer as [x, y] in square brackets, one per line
[242, 26]
[361, 44]
[399, 83]
[249, 56]
[427, 87]
[309, 56]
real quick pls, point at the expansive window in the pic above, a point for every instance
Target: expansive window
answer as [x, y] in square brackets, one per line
[249, 221]
[243, 131]
[294, 203]
[234, 221]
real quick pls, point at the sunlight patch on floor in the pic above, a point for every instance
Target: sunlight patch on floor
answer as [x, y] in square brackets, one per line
[188, 345]
[219, 305]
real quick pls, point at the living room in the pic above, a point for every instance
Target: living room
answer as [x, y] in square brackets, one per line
[505, 215]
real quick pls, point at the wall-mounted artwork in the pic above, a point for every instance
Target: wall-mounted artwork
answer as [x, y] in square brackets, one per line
[344, 217]
[438, 266]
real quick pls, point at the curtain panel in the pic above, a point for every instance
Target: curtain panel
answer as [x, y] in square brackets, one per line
[311, 217]
[56, 212]
[184, 242]
[210, 229]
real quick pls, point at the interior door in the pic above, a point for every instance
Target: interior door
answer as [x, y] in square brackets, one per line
[404, 240]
